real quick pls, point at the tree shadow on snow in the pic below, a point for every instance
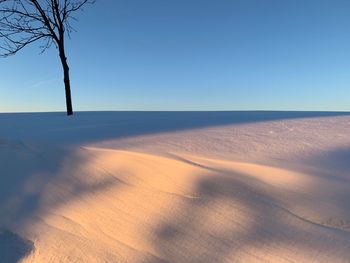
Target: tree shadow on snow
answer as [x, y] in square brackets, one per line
[88, 127]
[35, 181]
[235, 220]
[13, 247]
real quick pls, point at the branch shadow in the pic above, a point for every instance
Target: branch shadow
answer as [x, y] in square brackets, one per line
[200, 230]
[331, 168]
[333, 161]
[236, 220]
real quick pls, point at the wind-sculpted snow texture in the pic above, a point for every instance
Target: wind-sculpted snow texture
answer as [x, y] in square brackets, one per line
[175, 187]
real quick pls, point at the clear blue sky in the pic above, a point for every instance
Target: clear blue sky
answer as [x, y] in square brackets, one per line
[192, 55]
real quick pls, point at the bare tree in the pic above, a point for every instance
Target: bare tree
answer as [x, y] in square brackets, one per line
[23, 22]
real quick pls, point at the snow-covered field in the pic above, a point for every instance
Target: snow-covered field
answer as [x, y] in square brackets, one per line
[175, 187]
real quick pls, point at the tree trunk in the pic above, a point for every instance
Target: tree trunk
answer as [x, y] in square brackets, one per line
[66, 81]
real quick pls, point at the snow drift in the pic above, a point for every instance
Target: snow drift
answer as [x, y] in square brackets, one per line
[175, 187]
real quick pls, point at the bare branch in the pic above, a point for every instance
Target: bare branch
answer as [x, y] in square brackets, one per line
[23, 22]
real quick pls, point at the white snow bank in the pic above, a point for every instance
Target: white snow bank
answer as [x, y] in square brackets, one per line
[175, 187]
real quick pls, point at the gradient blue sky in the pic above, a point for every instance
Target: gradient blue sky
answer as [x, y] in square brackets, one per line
[192, 55]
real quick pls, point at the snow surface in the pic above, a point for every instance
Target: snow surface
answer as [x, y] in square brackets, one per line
[175, 187]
